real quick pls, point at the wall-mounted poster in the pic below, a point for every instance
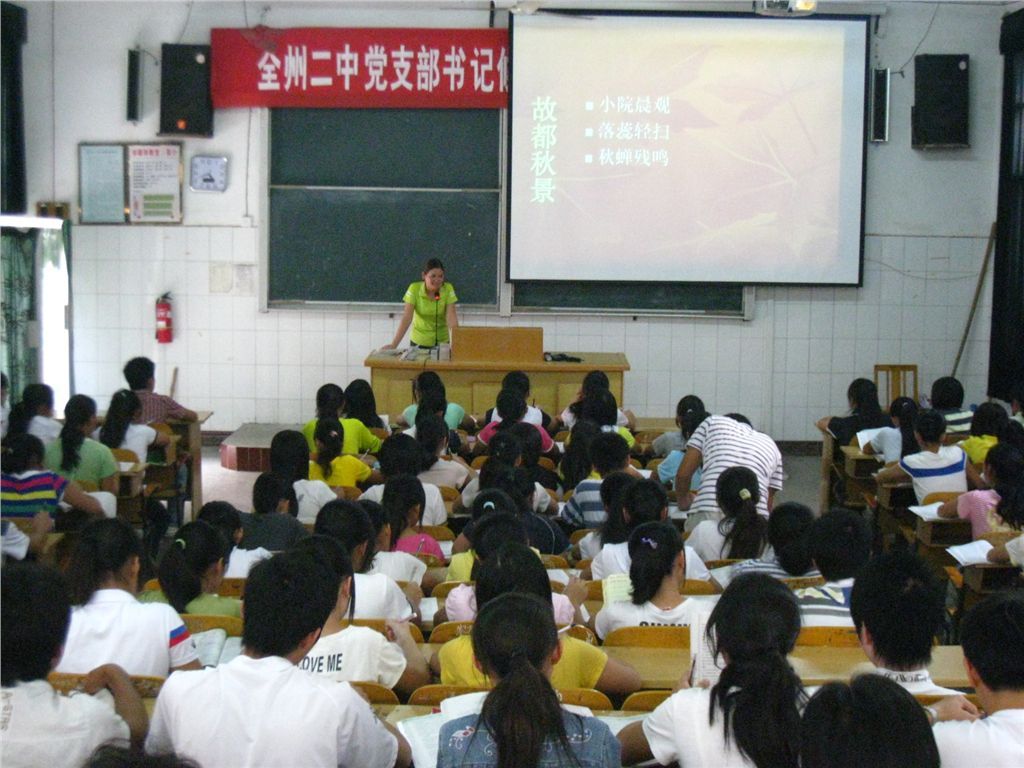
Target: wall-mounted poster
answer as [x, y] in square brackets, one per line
[101, 183]
[154, 183]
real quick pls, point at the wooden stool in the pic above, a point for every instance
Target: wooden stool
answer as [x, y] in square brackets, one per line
[895, 374]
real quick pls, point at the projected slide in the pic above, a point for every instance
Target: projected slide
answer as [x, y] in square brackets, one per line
[686, 149]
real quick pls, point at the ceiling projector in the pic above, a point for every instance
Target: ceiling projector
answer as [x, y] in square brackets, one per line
[784, 7]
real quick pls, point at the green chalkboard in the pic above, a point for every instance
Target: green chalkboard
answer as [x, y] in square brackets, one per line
[665, 297]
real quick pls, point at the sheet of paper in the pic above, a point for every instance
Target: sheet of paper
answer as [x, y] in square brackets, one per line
[559, 575]
[975, 553]
[616, 588]
[446, 548]
[232, 648]
[616, 723]
[423, 733]
[674, 513]
[865, 436]
[701, 653]
[722, 575]
[645, 473]
[428, 607]
[209, 645]
[929, 512]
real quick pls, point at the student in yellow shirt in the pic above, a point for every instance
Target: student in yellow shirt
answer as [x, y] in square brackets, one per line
[334, 467]
[987, 423]
[358, 439]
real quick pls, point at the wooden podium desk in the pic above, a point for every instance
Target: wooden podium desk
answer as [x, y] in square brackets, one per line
[475, 384]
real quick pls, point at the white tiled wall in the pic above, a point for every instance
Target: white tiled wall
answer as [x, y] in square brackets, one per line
[784, 369]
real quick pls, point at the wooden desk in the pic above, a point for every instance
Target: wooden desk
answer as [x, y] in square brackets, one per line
[192, 443]
[396, 713]
[475, 385]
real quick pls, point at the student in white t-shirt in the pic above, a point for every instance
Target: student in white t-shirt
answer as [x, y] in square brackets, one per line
[123, 427]
[41, 727]
[289, 460]
[657, 571]
[401, 455]
[347, 652]
[897, 607]
[742, 533]
[992, 636]
[868, 721]
[377, 595]
[751, 716]
[400, 566]
[34, 414]
[260, 709]
[893, 443]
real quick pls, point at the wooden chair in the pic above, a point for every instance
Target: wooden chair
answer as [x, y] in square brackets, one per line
[148, 687]
[712, 564]
[927, 699]
[650, 637]
[161, 479]
[594, 590]
[197, 622]
[568, 494]
[583, 633]
[441, 590]
[448, 493]
[896, 380]
[635, 463]
[804, 582]
[831, 637]
[376, 693]
[431, 561]
[380, 433]
[554, 561]
[231, 588]
[547, 464]
[557, 586]
[561, 436]
[131, 499]
[645, 701]
[942, 496]
[585, 697]
[653, 465]
[697, 587]
[432, 695]
[380, 625]
[584, 565]
[348, 492]
[479, 461]
[575, 537]
[438, 532]
[449, 630]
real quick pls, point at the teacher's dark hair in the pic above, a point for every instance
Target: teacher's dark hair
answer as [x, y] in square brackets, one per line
[430, 264]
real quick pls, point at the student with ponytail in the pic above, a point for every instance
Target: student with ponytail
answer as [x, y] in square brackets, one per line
[1000, 507]
[893, 443]
[515, 642]
[751, 717]
[789, 528]
[28, 488]
[657, 571]
[34, 414]
[123, 427]
[331, 466]
[77, 456]
[402, 504]
[192, 570]
[614, 529]
[742, 533]
[439, 467]
[108, 624]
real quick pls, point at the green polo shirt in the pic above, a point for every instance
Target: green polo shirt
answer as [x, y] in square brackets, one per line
[95, 461]
[427, 313]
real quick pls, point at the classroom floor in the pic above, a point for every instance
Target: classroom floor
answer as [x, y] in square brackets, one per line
[219, 484]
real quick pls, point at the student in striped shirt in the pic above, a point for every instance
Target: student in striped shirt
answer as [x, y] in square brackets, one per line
[26, 488]
[948, 399]
[840, 547]
[608, 453]
[789, 527]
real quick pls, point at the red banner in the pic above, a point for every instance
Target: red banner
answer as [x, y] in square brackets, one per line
[368, 68]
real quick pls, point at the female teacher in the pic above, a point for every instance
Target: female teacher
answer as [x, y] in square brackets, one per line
[429, 308]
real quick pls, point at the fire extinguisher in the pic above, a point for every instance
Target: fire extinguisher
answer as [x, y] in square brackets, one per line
[164, 320]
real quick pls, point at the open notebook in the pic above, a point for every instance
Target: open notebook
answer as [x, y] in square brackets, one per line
[215, 647]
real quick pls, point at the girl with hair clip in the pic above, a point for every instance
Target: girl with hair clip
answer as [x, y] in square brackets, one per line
[379, 596]
[657, 571]
[576, 465]
[664, 444]
[893, 443]
[488, 502]
[439, 466]
[77, 456]
[593, 383]
[228, 520]
[614, 529]
[289, 462]
[334, 468]
[34, 414]
[517, 645]
[400, 566]
[346, 652]
[688, 422]
[643, 502]
[751, 716]
[742, 533]
[108, 624]
[511, 404]
[988, 422]
[515, 568]
[27, 488]
[1000, 507]
[123, 427]
[402, 505]
[192, 570]
[361, 405]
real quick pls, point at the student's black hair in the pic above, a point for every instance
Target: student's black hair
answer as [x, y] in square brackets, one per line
[901, 604]
[745, 530]
[688, 404]
[609, 452]
[5, 383]
[905, 409]
[289, 460]
[930, 425]
[691, 420]
[329, 437]
[78, 412]
[506, 447]
[195, 548]
[1016, 394]
[513, 637]
[36, 612]
[22, 452]
[493, 471]
[34, 398]
[863, 396]
[488, 502]
[988, 419]
[614, 529]
[947, 394]
[330, 399]
[840, 543]
[361, 404]
[643, 502]
[754, 625]
[517, 380]
[593, 382]
[1013, 434]
[515, 482]
[1007, 464]
[511, 405]
[789, 528]
[103, 548]
[576, 463]
[869, 721]
[138, 371]
[992, 632]
[286, 597]
[432, 436]
[225, 518]
[267, 492]
[400, 455]
[529, 438]
[375, 512]
[739, 417]
[401, 494]
[492, 534]
[427, 381]
[600, 408]
[113, 755]
[333, 555]
[124, 404]
[511, 567]
[433, 263]
[347, 523]
[653, 549]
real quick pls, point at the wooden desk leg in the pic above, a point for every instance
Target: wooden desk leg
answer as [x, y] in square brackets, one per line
[195, 449]
[825, 487]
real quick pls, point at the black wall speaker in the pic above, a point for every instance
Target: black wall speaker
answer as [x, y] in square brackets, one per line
[186, 108]
[879, 105]
[939, 115]
[133, 94]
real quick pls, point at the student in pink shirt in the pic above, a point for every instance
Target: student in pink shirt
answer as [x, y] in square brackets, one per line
[403, 503]
[512, 406]
[999, 507]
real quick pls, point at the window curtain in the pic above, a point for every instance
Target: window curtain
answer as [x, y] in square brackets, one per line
[18, 312]
[1006, 361]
